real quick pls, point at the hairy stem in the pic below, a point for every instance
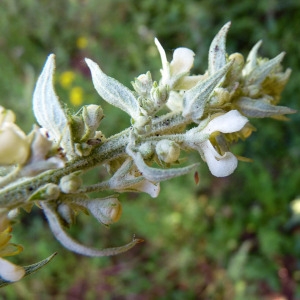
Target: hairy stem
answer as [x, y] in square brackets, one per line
[15, 195]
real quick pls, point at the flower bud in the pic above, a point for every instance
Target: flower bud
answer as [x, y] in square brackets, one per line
[106, 211]
[70, 183]
[49, 191]
[92, 116]
[167, 151]
[146, 149]
[143, 84]
[159, 95]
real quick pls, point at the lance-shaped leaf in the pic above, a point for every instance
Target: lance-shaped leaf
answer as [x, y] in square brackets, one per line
[261, 109]
[258, 74]
[68, 242]
[124, 181]
[27, 270]
[195, 99]
[113, 91]
[251, 61]
[47, 108]
[154, 174]
[217, 50]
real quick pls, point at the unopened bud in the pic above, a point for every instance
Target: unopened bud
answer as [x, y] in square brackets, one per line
[143, 84]
[167, 151]
[70, 183]
[107, 211]
[49, 191]
[159, 95]
[92, 116]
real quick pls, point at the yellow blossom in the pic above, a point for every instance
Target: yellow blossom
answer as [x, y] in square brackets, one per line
[66, 79]
[76, 95]
[81, 42]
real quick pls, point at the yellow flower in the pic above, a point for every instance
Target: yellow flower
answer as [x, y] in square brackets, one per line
[66, 79]
[81, 42]
[76, 95]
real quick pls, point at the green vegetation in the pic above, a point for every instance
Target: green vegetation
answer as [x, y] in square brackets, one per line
[227, 238]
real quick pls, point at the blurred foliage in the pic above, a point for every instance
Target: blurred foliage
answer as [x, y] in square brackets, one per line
[231, 238]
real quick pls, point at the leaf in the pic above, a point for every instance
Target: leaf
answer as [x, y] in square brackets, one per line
[47, 108]
[251, 61]
[260, 108]
[71, 244]
[154, 174]
[195, 99]
[30, 269]
[113, 92]
[259, 73]
[217, 50]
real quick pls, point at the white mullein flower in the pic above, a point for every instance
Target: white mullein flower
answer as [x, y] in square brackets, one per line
[175, 74]
[14, 144]
[220, 165]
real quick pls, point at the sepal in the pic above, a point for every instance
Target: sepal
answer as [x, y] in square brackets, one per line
[260, 108]
[195, 99]
[153, 174]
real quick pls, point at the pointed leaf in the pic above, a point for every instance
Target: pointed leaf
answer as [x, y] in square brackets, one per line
[217, 50]
[251, 61]
[71, 244]
[30, 269]
[195, 99]
[261, 109]
[258, 74]
[47, 108]
[113, 91]
[154, 174]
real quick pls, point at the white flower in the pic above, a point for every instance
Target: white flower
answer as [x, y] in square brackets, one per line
[220, 165]
[174, 74]
[14, 145]
[9, 271]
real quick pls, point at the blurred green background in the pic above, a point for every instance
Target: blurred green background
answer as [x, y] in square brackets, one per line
[231, 238]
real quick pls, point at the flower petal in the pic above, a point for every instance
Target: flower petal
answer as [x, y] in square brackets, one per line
[183, 60]
[146, 186]
[9, 271]
[232, 121]
[219, 165]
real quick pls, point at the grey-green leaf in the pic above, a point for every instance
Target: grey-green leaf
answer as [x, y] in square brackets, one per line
[195, 99]
[113, 91]
[154, 174]
[71, 244]
[217, 50]
[251, 61]
[30, 269]
[47, 108]
[260, 108]
[259, 73]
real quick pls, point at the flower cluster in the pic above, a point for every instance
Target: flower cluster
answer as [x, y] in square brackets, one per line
[175, 114]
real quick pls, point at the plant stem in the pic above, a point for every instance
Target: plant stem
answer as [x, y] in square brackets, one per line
[15, 195]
